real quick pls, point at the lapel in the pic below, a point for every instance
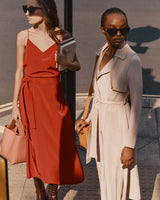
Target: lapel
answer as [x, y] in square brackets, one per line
[107, 68]
[120, 53]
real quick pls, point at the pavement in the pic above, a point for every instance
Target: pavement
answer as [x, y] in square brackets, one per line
[148, 158]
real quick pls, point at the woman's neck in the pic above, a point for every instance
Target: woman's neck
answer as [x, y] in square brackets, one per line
[41, 28]
[112, 49]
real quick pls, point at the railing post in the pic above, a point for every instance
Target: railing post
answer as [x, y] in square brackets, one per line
[68, 78]
[4, 190]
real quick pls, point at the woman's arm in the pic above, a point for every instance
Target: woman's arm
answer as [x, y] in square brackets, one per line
[135, 93]
[80, 124]
[21, 41]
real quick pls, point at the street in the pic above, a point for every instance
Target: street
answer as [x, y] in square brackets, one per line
[147, 148]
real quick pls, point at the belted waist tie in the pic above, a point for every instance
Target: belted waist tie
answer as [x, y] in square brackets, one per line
[109, 102]
[26, 95]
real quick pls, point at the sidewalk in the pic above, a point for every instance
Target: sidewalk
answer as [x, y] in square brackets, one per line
[148, 161]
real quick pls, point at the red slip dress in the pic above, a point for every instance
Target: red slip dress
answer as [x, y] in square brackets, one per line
[52, 154]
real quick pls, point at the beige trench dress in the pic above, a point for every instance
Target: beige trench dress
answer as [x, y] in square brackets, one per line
[110, 116]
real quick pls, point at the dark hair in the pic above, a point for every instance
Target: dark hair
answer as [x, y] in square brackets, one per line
[111, 11]
[51, 17]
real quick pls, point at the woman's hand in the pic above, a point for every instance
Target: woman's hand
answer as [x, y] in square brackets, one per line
[80, 124]
[15, 113]
[62, 59]
[127, 157]
[65, 62]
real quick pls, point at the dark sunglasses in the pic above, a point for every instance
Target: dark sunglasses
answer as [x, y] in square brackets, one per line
[113, 31]
[31, 9]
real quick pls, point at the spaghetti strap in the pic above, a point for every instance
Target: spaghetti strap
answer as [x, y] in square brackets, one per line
[28, 33]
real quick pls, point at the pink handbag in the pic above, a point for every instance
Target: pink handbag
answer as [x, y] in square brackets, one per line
[13, 146]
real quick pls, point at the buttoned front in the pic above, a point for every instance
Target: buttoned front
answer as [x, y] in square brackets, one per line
[114, 123]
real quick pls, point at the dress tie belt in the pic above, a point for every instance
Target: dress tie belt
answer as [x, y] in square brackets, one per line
[109, 102]
[27, 110]
[27, 106]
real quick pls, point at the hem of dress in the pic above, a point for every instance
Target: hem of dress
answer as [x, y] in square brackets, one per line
[134, 198]
[57, 182]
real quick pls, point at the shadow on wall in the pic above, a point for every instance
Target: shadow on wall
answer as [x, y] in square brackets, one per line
[141, 35]
[149, 85]
[148, 148]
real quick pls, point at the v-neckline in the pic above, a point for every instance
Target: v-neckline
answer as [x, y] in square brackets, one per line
[39, 48]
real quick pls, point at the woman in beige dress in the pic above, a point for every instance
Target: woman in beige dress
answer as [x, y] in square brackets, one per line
[114, 122]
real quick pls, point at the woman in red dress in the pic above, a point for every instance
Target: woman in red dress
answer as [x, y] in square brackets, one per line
[52, 155]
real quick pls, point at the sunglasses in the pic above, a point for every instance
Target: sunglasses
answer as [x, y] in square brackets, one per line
[113, 31]
[31, 9]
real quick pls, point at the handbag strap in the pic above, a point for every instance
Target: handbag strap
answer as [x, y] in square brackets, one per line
[85, 113]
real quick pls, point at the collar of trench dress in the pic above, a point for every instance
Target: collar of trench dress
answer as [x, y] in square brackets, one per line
[121, 52]
[124, 61]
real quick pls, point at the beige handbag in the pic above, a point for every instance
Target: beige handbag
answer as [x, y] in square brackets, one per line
[13, 146]
[83, 135]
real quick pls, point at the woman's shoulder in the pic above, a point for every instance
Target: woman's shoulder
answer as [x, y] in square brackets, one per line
[134, 65]
[22, 36]
[102, 48]
[98, 52]
[131, 57]
[62, 34]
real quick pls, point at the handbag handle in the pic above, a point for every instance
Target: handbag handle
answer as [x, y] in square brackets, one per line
[85, 113]
[12, 126]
